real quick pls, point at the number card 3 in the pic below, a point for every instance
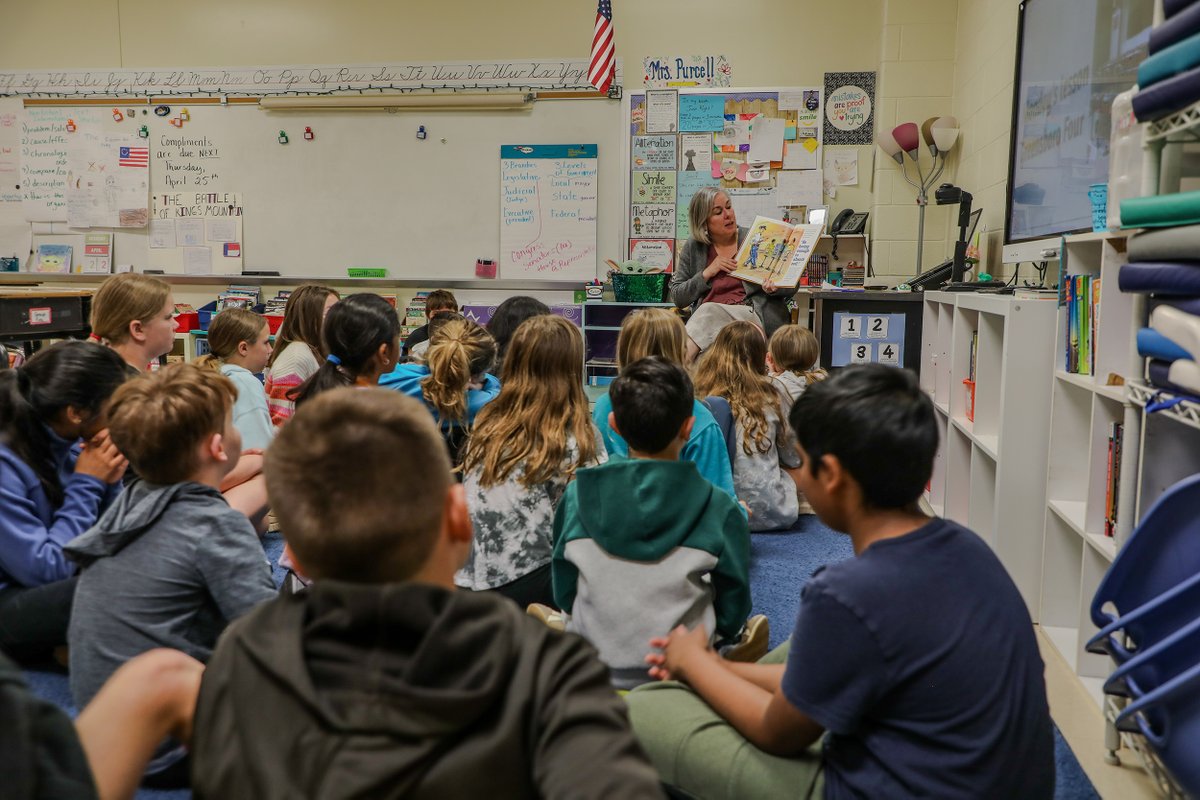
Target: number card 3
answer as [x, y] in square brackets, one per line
[861, 353]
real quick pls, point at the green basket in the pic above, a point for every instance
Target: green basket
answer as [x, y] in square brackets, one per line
[639, 288]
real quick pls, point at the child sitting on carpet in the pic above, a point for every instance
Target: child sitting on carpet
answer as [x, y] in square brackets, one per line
[659, 332]
[361, 339]
[792, 357]
[297, 354]
[523, 452]
[381, 679]
[454, 382]
[169, 564]
[239, 345]
[735, 367]
[917, 656]
[645, 543]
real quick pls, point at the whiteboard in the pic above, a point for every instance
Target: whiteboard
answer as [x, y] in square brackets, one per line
[364, 191]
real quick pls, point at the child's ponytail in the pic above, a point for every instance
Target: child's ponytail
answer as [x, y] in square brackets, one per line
[458, 352]
[354, 330]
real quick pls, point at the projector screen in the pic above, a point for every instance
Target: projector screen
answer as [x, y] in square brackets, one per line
[1073, 57]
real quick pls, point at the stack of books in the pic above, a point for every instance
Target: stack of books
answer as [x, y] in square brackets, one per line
[853, 275]
[414, 315]
[239, 297]
[278, 304]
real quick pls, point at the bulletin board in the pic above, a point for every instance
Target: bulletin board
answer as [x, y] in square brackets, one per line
[364, 191]
[712, 142]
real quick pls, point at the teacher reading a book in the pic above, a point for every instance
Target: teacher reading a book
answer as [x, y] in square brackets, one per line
[702, 281]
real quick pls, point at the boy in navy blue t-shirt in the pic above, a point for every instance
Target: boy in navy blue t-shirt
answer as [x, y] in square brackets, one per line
[918, 656]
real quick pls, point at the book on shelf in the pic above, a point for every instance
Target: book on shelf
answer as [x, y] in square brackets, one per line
[1113, 478]
[777, 251]
[974, 354]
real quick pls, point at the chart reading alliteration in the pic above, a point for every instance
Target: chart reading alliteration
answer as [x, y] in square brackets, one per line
[548, 211]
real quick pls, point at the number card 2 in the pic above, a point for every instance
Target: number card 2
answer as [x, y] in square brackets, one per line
[850, 326]
[877, 327]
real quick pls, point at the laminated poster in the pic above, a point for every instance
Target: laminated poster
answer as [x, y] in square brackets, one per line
[662, 110]
[654, 253]
[695, 151]
[654, 152]
[654, 186]
[655, 221]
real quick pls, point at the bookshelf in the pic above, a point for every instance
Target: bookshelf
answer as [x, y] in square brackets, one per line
[1080, 539]
[987, 473]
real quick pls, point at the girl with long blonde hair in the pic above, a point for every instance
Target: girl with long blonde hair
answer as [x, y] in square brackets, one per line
[524, 449]
[454, 382]
[735, 367]
[659, 332]
[239, 344]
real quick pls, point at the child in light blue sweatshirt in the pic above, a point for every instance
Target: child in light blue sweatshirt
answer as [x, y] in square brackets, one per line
[59, 470]
[239, 344]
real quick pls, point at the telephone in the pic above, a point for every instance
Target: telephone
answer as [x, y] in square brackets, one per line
[847, 222]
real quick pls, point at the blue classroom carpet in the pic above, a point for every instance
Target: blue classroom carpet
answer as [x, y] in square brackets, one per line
[780, 565]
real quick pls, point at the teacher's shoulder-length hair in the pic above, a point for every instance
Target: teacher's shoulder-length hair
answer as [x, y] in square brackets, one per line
[698, 211]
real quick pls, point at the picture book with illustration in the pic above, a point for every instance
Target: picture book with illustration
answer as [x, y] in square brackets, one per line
[777, 251]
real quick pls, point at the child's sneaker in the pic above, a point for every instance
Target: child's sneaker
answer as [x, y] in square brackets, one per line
[754, 641]
[549, 617]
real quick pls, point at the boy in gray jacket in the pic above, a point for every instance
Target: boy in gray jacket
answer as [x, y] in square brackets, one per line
[169, 564]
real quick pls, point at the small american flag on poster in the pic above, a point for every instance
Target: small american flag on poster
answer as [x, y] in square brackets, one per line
[134, 157]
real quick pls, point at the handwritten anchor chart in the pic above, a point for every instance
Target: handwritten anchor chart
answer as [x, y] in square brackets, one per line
[548, 211]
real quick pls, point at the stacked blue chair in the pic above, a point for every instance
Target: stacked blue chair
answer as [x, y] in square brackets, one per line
[1147, 608]
[1150, 581]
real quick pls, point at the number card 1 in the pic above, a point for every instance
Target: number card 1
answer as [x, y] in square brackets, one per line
[850, 326]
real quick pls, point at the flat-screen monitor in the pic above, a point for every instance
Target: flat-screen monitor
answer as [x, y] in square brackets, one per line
[1073, 57]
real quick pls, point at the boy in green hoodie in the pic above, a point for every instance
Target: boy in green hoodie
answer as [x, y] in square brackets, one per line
[644, 544]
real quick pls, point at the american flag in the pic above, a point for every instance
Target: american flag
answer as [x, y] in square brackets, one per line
[603, 68]
[134, 157]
